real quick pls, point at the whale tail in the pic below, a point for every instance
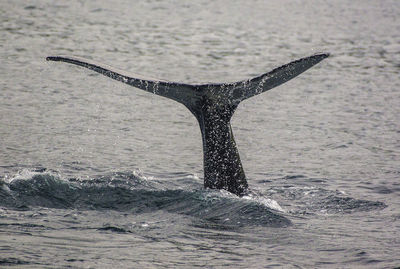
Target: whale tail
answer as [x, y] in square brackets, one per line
[213, 105]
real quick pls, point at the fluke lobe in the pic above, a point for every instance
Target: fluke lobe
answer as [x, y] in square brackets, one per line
[213, 106]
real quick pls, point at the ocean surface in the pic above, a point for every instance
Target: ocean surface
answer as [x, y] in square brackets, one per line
[97, 174]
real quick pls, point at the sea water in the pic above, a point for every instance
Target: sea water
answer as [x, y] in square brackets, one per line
[97, 174]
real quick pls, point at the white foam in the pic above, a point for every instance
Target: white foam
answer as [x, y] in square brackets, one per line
[265, 201]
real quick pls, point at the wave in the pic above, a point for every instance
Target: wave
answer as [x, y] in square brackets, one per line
[131, 192]
[12, 261]
[316, 200]
[134, 193]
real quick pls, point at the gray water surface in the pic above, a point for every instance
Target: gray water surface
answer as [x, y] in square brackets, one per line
[97, 174]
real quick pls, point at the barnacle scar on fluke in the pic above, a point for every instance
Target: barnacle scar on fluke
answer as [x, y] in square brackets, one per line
[213, 106]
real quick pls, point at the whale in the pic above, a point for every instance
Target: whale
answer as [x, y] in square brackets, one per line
[213, 105]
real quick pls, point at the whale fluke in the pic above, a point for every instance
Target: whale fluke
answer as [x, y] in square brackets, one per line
[213, 105]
